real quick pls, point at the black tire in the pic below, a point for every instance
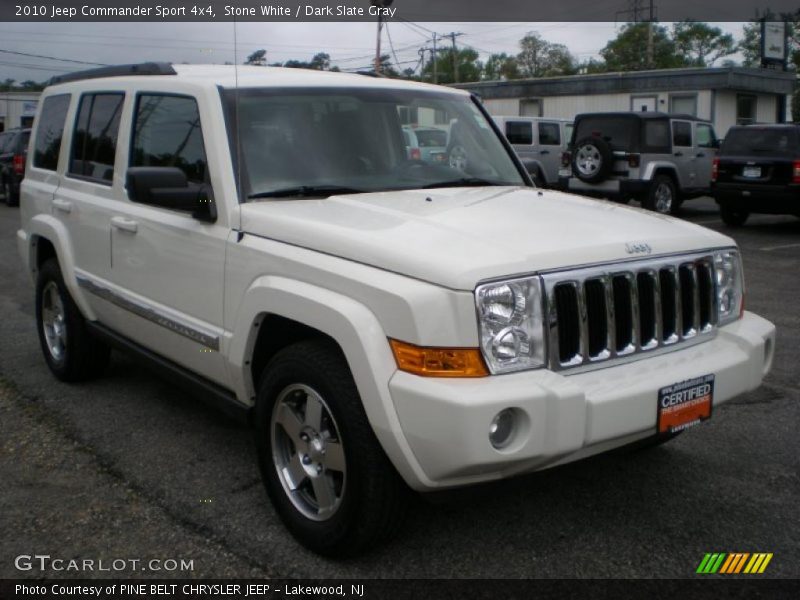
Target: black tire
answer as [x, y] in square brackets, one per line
[82, 356]
[592, 159]
[662, 196]
[370, 498]
[731, 217]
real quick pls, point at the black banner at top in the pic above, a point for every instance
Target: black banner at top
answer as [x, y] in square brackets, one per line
[408, 10]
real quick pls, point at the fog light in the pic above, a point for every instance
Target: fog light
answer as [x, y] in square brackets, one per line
[502, 428]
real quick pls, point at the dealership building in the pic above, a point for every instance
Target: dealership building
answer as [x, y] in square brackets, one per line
[17, 109]
[725, 96]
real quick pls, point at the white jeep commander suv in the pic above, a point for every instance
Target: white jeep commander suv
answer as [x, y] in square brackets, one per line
[385, 323]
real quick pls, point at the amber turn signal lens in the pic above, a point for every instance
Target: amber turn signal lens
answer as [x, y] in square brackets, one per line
[438, 362]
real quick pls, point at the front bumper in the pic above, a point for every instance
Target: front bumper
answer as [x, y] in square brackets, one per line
[565, 417]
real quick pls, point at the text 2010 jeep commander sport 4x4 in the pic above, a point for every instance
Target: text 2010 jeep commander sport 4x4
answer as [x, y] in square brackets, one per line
[386, 323]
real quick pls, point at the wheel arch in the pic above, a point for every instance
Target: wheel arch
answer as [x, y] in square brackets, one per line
[274, 307]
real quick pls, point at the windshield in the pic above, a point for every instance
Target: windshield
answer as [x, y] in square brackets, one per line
[317, 142]
[750, 141]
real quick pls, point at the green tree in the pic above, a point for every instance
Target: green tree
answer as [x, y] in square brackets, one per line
[258, 58]
[540, 58]
[500, 66]
[628, 51]
[469, 67]
[701, 45]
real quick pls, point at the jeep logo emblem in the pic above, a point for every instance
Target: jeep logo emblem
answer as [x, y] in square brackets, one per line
[638, 248]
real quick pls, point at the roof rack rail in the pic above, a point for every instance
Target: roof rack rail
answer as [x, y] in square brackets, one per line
[148, 68]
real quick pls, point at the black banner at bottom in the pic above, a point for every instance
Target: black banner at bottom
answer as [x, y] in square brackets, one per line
[285, 589]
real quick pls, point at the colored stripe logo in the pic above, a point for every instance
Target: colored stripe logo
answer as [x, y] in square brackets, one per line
[734, 563]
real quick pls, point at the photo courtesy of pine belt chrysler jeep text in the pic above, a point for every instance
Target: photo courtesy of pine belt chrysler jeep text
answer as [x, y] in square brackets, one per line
[386, 323]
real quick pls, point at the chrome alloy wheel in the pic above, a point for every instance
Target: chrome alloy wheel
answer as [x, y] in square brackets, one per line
[663, 197]
[588, 160]
[54, 321]
[307, 452]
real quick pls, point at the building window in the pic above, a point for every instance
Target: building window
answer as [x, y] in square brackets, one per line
[530, 107]
[745, 109]
[683, 104]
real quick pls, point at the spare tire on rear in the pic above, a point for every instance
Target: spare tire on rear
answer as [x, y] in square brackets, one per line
[592, 159]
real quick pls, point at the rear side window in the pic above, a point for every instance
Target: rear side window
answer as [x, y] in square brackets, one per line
[549, 134]
[167, 133]
[431, 138]
[681, 133]
[49, 132]
[656, 135]
[761, 141]
[519, 132]
[705, 136]
[618, 132]
[94, 143]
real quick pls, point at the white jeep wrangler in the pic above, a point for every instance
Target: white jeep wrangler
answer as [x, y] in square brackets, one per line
[261, 236]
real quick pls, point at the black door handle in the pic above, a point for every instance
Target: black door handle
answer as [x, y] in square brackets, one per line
[679, 154]
[545, 152]
[701, 155]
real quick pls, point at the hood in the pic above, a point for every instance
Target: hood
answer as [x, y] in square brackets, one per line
[457, 237]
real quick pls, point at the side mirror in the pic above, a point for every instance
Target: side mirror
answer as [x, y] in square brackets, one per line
[716, 143]
[168, 187]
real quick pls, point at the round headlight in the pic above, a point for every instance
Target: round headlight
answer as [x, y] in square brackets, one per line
[510, 343]
[503, 304]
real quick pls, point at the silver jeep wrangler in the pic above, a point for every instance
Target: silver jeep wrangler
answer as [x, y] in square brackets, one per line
[656, 158]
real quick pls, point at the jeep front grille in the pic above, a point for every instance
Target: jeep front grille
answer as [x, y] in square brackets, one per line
[605, 312]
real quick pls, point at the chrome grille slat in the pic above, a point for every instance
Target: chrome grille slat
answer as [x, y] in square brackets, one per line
[597, 314]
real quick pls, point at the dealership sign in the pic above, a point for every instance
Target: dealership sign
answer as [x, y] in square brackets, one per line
[773, 44]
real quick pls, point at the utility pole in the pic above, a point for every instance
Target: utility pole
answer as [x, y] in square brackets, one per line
[435, 66]
[378, 48]
[650, 38]
[453, 37]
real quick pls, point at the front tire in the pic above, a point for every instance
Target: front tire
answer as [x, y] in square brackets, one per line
[323, 468]
[70, 350]
[733, 218]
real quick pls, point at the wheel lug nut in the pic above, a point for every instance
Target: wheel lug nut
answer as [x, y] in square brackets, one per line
[306, 459]
[319, 468]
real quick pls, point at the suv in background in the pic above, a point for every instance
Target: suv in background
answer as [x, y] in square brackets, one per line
[428, 144]
[758, 171]
[260, 236]
[539, 143]
[656, 158]
[13, 153]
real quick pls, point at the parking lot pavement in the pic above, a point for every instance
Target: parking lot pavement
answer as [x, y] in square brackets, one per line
[129, 467]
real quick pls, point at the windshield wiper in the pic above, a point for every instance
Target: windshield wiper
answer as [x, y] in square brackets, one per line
[305, 191]
[463, 182]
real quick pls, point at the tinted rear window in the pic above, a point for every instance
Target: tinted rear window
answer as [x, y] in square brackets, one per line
[49, 131]
[617, 131]
[430, 138]
[519, 133]
[757, 141]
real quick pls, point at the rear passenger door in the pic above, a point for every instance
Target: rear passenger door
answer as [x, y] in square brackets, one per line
[705, 150]
[683, 153]
[167, 265]
[550, 149]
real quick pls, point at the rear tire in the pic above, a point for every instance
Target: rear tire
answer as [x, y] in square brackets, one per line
[662, 197]
[733, 218]
[69, 349]
[323, 468]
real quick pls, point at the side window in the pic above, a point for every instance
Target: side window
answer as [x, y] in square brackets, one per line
[49, 131]
[519, 132]
[549, 134]
[656, 135]
[681, 133]
[94, 142]
[167, 133]
[705, 136]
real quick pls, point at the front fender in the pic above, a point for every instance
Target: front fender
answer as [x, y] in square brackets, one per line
[48, 227]
[358, 333]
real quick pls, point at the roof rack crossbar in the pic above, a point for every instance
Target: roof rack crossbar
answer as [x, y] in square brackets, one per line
[147, 68]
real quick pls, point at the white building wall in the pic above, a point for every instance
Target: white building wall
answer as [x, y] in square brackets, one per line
[15, 105]
[502, 107]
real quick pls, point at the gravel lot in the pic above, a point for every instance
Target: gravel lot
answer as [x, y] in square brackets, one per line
[129, 467]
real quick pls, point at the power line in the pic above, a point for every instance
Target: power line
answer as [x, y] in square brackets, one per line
[69, 60]
[391, 45]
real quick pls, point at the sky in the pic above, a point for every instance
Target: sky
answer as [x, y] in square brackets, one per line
[64, 47]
